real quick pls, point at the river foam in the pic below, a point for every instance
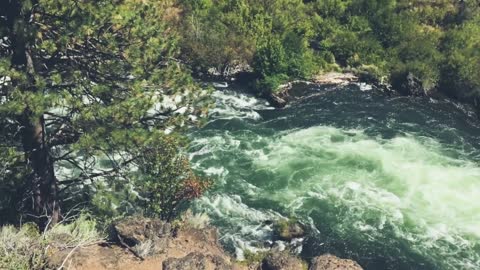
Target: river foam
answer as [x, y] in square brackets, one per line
[391, 200]
[406, 183]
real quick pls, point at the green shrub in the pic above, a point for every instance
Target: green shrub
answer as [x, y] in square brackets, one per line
[22, 248]
[81, 231]
[270, 58]
[165, 180]
[26, 248]
[252, 258]
[270, 84]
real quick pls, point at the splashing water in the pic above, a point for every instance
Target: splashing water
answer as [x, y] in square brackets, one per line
[391, 182]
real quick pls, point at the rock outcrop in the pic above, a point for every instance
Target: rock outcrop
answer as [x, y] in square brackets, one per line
[282, 96]
[410, 85]
[143, 236]
[287, 230]
[282, 261]
[151, 244]
[335, 78]
[278, 100]
[330, 262]
[144, 244]
[197, 261]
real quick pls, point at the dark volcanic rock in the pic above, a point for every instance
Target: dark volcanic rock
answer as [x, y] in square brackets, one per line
[134, 232]
[277, 100]
[410, 85]
[196, 261]
[330, 262]
[288, 230]
[282, 261]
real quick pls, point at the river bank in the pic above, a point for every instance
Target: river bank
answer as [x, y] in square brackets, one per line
[139, 243]
[407, 85]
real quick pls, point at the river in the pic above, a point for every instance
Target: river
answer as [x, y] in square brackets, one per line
[392, 182]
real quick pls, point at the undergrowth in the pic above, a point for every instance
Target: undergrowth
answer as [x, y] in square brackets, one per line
[27, 248]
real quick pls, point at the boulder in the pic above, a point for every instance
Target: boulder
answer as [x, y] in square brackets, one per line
[410, 85]
[196, 261]
[276, 100]
[287, 230]
[282, 261]
[145, 236]
[330, 262]
[414, 85]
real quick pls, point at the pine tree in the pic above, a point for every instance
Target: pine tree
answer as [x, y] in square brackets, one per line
[80, 80]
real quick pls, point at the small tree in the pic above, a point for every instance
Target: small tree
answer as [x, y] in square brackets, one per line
[270, 58]
[165, 180]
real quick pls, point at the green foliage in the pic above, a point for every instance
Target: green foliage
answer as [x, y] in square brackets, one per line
[296, 39]
[104, 81]
[420, 56]
[21, 249]
[165, 180]
[463, 59]
[270, 58]
[12, 171]
[214, 34]
[26, 248]
[253, 258]
[273, 37]
[81, 231]
[271, 83]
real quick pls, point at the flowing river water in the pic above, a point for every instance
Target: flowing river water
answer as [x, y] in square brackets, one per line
[392, 182]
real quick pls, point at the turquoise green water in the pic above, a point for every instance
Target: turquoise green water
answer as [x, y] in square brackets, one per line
[391, 182]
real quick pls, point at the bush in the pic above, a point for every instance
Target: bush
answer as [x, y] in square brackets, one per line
[271, 83]
[270, 58]
[26, 248]
[253, 258]
[197, 221]
[165, 180]
[22, 248]
[460, 72]
[81, 231]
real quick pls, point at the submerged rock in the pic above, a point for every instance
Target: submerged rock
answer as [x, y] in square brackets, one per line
[278, 100]
[282, 261]
[288, 230]
[330, 262]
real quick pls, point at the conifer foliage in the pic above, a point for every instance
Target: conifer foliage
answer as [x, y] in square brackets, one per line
[83, 86]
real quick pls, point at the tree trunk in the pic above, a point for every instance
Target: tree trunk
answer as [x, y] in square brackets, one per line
[42, 180]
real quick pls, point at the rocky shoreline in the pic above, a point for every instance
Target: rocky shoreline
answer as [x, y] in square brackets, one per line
[280, 97]
[144, 244]
[408, 85]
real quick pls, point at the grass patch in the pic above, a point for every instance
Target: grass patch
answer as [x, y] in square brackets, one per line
[22, 249]
[26, 248]
[82, 231]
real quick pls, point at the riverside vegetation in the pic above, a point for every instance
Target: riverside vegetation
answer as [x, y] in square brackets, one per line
[435, 41]
[95, 96]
